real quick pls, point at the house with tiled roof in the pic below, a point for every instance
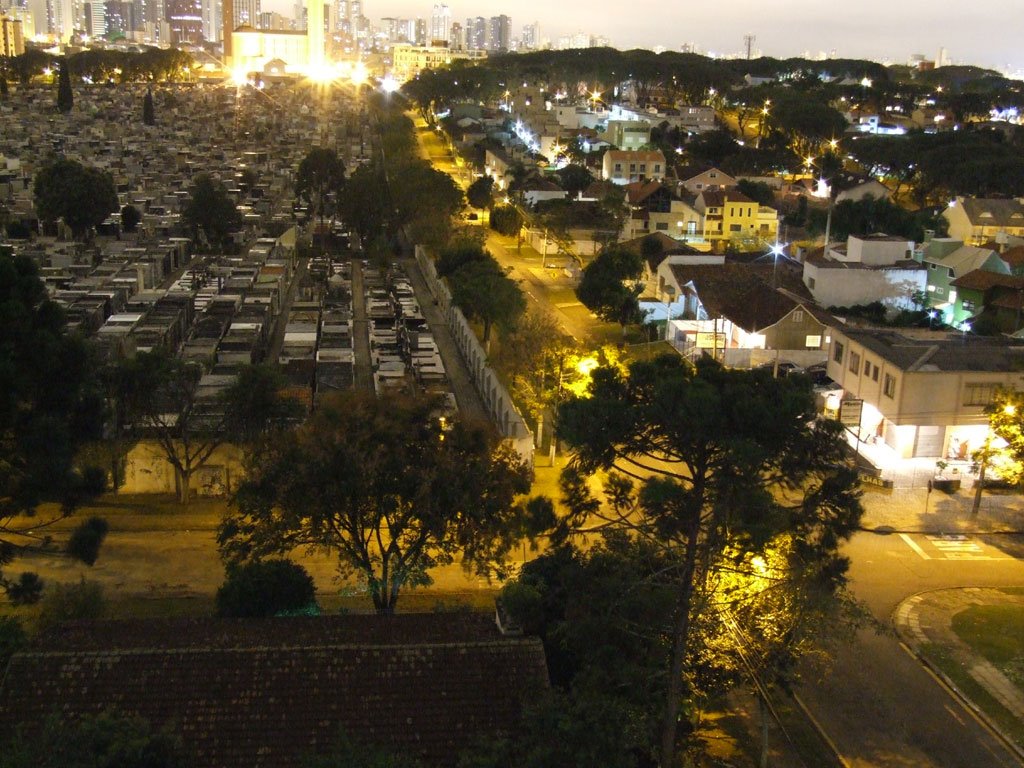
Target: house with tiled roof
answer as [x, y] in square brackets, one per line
[975, 220]
[622, 166]
[732, 306]
[992, 298]
[696, 179]
[270, 693]
[948, 260]
[731, 219]
[654, 208]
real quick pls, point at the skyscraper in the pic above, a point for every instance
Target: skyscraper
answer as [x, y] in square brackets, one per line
[185, 18]
[531, 37]
[499, 33]
[440, 23]
[476, 34]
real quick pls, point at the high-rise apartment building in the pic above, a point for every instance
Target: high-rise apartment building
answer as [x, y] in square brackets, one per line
[530, 40]
[185, 18]
[499, 33]
[421, 32]
[247, 12]
[95, 18]
[457, 40]
[12, 39]
[120, 17]
[212, 13]
[476, 34]
[440, 23]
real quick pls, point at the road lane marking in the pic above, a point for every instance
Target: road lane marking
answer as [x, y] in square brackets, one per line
[913, 545]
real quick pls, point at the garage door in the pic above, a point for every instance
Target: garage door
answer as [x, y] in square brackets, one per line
[929, 441]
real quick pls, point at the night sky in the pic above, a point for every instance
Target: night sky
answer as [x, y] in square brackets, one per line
[986, 34]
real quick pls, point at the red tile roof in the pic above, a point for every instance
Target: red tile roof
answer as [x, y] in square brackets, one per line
[258, 693]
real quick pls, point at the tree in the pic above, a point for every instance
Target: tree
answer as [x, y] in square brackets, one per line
[757, 191]
[163, 396]
[65, 97]
[3, 84]
[506, 220]
[710, 465]
[49, 406]
[320, 182]
[106, 739]
[611, 285]
[459, 251]
[148, 113]
[382, 484]
[265, 588]
[80, 195]
[483, 291]
[210, 212]
[130, 218]
[480, 193]
[574, 179]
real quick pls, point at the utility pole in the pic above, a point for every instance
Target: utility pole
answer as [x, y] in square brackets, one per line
[748, 42]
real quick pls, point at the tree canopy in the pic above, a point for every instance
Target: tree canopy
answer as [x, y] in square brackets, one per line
[320, 181]
[384, 485]
[483, 291]
[210, 213]
[480, 193]
[80, 195]
[712, 467]
[50, 405]
[161, 394]
[611, 285]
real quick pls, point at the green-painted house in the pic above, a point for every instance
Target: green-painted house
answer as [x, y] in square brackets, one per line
[949, 260]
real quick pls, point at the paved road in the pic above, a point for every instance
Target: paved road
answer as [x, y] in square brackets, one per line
[549, 290]
[878, 704]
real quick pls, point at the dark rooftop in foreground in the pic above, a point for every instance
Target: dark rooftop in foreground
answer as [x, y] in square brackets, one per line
[269, 692]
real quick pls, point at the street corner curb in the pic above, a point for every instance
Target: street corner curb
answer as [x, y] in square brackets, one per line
[910, 638]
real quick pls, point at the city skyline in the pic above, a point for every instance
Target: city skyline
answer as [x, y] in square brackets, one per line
[873, 29]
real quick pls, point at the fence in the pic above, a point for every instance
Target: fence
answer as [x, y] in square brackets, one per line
[495, 397]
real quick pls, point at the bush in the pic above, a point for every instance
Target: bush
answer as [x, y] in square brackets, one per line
[12, 640]
[71, 602]
[86, 539]
[264, 588]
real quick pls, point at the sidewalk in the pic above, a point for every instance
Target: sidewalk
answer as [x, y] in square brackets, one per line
[924, 623]
[915, 510]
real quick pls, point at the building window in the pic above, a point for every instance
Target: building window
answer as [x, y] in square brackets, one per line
[798, 315]
[810, 283]
[735, 228]
[979, 394]
[968, 305]
[867, 368]
[837, 352]
[874, 374]
[889, 386]
[661, 225]
[812, 342]
[854, 363]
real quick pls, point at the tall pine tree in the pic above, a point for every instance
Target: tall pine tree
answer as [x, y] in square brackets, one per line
[65, 98]
[148, 115]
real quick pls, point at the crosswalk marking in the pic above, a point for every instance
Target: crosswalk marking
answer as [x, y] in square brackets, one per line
[957, 547]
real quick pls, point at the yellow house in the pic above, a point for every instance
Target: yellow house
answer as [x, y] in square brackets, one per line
[976, 221]
[732, 218]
